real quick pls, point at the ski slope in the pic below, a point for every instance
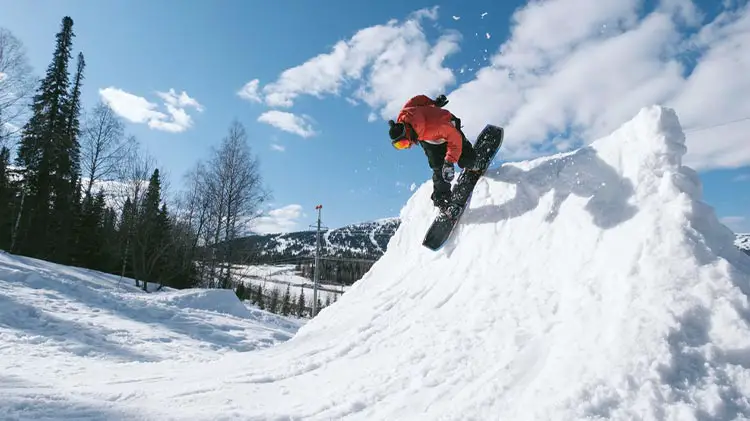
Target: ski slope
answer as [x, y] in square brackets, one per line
[593, 284]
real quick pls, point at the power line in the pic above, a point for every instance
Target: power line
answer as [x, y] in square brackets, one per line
[726, 123]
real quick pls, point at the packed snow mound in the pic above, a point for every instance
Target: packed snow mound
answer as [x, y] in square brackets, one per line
[217, 300]
[588, 284]
[60, 313]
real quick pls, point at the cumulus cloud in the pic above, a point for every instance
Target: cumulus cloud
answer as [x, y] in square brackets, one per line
[138, 109]
[289, 122]
[250, 91]
[383, 65]
[569, 72]
[280, 220]
[576, 69]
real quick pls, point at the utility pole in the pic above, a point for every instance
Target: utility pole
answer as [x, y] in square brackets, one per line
[316, 273]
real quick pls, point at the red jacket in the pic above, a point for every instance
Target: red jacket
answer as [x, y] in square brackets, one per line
[433, 125]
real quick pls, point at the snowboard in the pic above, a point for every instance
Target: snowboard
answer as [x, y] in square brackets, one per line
[487, 144]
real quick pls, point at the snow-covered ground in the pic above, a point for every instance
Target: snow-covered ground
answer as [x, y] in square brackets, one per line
[56, 321]
[588, 285]
[279, 276]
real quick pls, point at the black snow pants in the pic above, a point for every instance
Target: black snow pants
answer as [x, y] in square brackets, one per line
[436, 157]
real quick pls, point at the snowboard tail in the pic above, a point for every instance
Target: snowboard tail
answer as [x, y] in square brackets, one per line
[487, 144]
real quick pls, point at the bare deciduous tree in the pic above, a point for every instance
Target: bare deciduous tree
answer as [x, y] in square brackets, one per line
[194, 210]
[228, 193]
[133, 174]
[103, 145]
[16, 84]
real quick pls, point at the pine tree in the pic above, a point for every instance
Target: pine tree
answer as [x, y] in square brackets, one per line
[273, 306]
[147, 247]
[66, 183]
[286, 302]
[6, 200]
[259, 301]
[43, 141]
[301, 304]
[240, 291]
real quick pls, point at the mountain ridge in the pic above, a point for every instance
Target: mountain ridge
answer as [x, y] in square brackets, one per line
[371, 238]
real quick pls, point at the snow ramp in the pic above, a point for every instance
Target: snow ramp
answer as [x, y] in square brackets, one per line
[593, 284]
[587, 285]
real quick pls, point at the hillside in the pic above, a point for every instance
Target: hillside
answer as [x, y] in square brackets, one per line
[366, 240]
[743, 242]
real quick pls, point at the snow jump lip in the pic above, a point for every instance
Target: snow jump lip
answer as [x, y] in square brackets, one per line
[581, 173]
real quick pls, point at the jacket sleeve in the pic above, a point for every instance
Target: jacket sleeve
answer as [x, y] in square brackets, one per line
[419, 101]
[454, 141]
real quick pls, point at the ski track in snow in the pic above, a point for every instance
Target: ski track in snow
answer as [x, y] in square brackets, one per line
[593, 284]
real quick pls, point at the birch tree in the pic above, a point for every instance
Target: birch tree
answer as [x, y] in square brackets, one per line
[103, 145]
[17, 85]
[236, 194]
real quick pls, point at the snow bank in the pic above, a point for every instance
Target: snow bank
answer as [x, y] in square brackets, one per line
[63, 327]
[593, 284]
[216, 300]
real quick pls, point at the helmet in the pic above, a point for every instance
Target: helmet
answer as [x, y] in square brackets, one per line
[399, 135]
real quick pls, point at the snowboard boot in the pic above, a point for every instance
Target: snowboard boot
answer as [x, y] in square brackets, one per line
[451, 211]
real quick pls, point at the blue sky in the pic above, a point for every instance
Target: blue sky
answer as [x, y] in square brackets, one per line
[578, 70]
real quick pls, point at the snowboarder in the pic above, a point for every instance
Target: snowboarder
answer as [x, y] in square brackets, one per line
[423, 120]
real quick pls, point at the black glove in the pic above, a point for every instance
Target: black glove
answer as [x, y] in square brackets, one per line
[440, 101]
[448, 172]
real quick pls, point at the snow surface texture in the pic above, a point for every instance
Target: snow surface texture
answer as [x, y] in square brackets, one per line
[588, 285]
[62, 326]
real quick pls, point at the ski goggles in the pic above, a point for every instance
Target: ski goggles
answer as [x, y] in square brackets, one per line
[401, 144]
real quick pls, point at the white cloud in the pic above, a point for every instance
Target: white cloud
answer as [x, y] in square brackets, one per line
[3, 76]
[179, 101]
[250, 91]
[278, 147]
[138, 109]
[284, 219]
[289, 122]
[742, 177]
[570, 71]
[576, 69]
[383, 64]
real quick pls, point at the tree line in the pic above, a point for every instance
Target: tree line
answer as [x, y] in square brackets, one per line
[288, 304]
[76, 189]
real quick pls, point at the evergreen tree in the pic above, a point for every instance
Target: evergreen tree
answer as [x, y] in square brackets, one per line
[259, 301]
[301, 304]
[286, 302]
[66, 183]
[6, 200]
[273, 305]
[240, 291]
[42, 144]
[147, 248]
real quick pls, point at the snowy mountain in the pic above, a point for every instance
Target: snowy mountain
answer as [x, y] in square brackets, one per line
[593, 284]
[366, 240]
[743, 242]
